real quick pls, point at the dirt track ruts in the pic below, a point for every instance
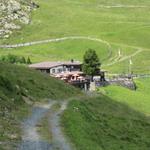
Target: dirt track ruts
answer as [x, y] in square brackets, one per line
[31, 140]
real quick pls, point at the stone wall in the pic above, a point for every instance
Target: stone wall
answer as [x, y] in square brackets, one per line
[125, 82]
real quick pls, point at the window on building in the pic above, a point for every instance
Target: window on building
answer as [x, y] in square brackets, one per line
[53, 70]
[48, 71]
[64, 69]
[60, 70]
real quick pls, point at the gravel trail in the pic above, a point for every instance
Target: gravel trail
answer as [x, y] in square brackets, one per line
[55, 40]
[139, 49]
[31, 139]
[117, 60]
[59, 140]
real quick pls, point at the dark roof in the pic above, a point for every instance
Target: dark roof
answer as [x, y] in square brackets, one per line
[48, 65]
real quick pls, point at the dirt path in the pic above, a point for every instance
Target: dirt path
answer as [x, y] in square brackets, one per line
[122, 6]
[31, 139]
[117, 60]
[59, 141]
[55, 40]
[139, 49]
[119, 5]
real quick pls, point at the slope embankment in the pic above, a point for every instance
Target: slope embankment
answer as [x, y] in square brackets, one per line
[20, 87]
[98, 123]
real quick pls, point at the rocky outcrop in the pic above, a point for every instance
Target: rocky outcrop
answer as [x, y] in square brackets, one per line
[13, 13]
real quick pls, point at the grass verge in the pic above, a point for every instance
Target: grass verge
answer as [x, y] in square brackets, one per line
[103, 124]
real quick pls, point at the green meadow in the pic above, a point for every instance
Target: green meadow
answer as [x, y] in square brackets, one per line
[125, 25]
[138, 100]
[119, 30]
[117, 119]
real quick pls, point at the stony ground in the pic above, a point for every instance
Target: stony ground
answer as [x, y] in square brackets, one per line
[31, 139]
[13, 13]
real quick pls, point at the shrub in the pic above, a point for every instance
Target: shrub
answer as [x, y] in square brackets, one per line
[13, 59]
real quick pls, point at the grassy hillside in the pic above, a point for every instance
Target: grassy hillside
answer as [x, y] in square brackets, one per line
[123, 24]
[104, 124]
[116, 120]
[119, 31]
[28, 82]
[19, 86]
[138, 100]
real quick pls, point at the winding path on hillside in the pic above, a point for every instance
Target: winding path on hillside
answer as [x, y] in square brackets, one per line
[31, 139]
[111, 6]
[139, 49]
[122, 6]
[55, 40]
[117, 60]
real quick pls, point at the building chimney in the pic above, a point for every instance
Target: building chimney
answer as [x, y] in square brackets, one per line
[72, 60]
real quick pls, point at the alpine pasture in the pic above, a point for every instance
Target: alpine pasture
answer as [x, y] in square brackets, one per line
[113, 117]
[119, 30]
